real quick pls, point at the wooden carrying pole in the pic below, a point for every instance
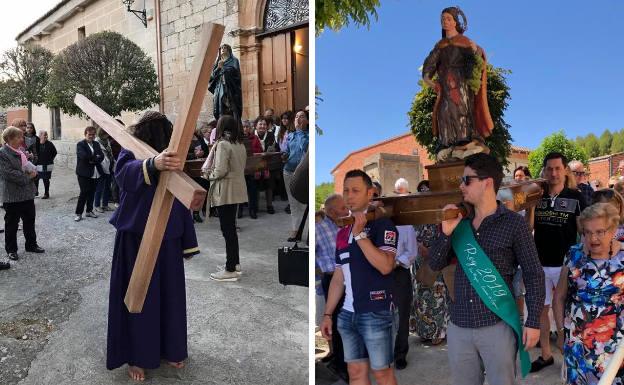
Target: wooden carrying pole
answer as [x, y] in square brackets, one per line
[426, 208]
[184, 126]
[420, 217]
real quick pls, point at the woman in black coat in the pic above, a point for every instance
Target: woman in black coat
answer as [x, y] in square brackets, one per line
[89, 155]
[45, 152]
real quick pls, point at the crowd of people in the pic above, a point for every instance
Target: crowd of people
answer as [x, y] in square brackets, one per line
[107, 173]
[556, 275]
[25, 158]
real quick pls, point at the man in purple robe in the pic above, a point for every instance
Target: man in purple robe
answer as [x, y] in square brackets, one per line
[159, 331]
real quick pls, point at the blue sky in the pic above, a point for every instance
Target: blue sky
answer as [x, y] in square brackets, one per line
[566, 58]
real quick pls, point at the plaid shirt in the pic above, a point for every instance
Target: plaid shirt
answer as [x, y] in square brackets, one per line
[326, 231]
[507, 241]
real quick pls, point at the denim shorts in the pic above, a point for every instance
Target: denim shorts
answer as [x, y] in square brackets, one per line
[368, 337]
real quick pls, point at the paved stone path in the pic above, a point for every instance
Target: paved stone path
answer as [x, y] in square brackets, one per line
[53, 306]
[428, 365]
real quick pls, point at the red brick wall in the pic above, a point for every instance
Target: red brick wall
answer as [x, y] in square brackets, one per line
[599, 170]
[615, 160]
[401, 145]
[14, 114]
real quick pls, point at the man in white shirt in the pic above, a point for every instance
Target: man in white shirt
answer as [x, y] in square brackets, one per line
[407, 249]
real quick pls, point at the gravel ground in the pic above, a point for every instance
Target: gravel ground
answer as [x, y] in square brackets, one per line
[53, 306]
[428, 365]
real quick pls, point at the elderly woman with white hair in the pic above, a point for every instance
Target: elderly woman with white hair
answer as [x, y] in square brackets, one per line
[589, 298]
[401, 186]
[17, 193]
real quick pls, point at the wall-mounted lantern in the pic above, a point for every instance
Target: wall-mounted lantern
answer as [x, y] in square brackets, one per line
[142, 15]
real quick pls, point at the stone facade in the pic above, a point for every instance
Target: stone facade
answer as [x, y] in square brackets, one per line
[180, 20]
[406, 144]
[387, 168]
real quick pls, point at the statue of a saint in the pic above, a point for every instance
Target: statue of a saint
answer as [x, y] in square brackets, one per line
[456, 70]
[225, 85]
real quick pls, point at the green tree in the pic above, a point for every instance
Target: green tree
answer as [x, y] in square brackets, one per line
[580, 141]
[109, 69]
[498, 100]
[617, 144]
[317, 100]
[336, 14]
[592, 146]
[26, 70]
[323, 190]
[605, 142]
[556, 142]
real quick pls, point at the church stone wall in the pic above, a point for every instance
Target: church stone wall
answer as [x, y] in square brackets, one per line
[181, 20]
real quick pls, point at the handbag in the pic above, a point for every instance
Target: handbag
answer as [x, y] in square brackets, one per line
[293, 262]
[209, 163]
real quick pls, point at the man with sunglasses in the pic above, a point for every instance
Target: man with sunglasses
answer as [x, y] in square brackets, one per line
[485, 331]
[555, 232]
[578, 169]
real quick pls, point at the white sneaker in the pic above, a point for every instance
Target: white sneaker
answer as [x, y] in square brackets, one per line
[238, 269]
[99, 209]
[224, 275]
[90, 214]
[78, 218]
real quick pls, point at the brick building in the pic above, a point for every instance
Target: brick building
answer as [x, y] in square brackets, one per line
[604, 167]
[269, 37]
[406, 144]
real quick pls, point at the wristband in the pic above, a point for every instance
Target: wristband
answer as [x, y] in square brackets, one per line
[329, 315]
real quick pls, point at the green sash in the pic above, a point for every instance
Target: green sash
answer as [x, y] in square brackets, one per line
[489, 284]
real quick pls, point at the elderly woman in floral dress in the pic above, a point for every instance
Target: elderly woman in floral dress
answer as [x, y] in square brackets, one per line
[430, 311]
[589, 298]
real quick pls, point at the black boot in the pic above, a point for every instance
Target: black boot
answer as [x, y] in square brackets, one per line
[196, 217]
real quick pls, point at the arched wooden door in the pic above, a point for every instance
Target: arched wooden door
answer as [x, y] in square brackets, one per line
[277, 79]
[281, 58]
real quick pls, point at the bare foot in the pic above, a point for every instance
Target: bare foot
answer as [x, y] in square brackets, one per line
[136, 373]
[177, 365]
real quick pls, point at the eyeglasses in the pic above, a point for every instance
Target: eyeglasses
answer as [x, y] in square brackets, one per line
[466, 178]
[598, 233]
[580, 173]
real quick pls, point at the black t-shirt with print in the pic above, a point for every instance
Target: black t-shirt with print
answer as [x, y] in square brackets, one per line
[555, 225]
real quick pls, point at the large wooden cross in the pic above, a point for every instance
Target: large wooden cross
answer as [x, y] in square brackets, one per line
[171, 184]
